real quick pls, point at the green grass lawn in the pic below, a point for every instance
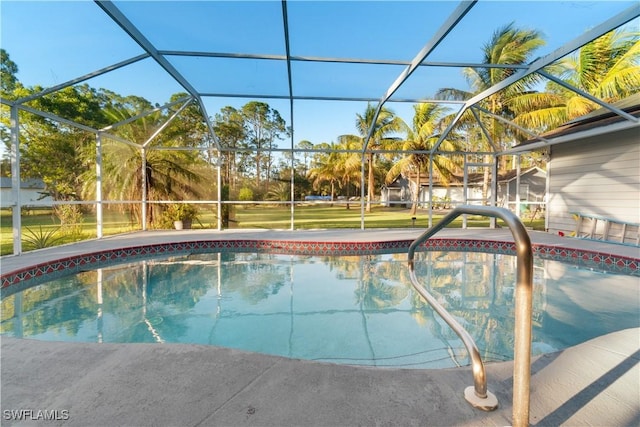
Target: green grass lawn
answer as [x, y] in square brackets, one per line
[314, 217]
[41, 228]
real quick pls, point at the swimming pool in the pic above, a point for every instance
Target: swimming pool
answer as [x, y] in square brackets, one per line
[352, 309]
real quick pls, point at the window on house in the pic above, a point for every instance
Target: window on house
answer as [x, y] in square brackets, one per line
[524, 192]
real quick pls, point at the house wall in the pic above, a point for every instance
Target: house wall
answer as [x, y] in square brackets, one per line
[28, 196]
[599, 175]
[536, 181]
[399, 193]
[396, 194]
[30, 193]
[454, 194]
[395, 197]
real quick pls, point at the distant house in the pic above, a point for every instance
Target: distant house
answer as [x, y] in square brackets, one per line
[594, 168]
[31, 192]
[397, 193]
[532, 189]
[400, 192]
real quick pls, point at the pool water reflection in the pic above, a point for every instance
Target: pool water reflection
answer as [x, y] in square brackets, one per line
[344, 309]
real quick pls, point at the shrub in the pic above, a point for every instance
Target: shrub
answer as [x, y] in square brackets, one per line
[184, 212]
[246, 194]
[41, 238]
[71, 218]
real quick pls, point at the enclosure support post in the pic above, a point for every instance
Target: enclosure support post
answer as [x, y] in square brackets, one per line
[219, 181]
[430, 190]
[517, 186]
[494, 189]
[293, 189]
[362, 193]
[547, 187]
[465, 189]
[16, 211]
[99, 186]
[143, 208]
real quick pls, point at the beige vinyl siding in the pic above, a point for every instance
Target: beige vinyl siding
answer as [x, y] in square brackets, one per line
[597, 175]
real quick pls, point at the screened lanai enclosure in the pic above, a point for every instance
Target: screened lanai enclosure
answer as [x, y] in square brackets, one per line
[130, 115]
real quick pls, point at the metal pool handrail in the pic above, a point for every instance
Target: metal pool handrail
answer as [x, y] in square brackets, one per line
[478, 395]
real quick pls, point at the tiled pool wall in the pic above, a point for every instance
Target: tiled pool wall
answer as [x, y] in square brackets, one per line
[18, 280]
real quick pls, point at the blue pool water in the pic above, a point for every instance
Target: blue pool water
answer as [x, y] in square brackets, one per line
[345, 309]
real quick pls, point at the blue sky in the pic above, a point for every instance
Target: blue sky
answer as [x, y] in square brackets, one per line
[53, 42]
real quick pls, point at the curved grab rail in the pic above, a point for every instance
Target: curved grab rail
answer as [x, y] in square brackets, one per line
[523, 312]
[479, 396]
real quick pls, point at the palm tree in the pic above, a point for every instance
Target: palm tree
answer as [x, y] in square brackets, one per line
[428, 123]
[339, 165]
[280, 192]
[387, 124]
[508, 46]
[607, 68]
[324, 169]
[170, 175]
[348, 162]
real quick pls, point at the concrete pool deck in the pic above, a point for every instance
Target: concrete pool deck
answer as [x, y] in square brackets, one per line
[595, 383]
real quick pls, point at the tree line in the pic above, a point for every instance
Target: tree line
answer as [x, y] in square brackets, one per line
[607, 68]
[64, 156]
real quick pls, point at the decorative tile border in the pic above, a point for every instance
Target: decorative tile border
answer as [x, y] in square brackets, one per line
[17, 280]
